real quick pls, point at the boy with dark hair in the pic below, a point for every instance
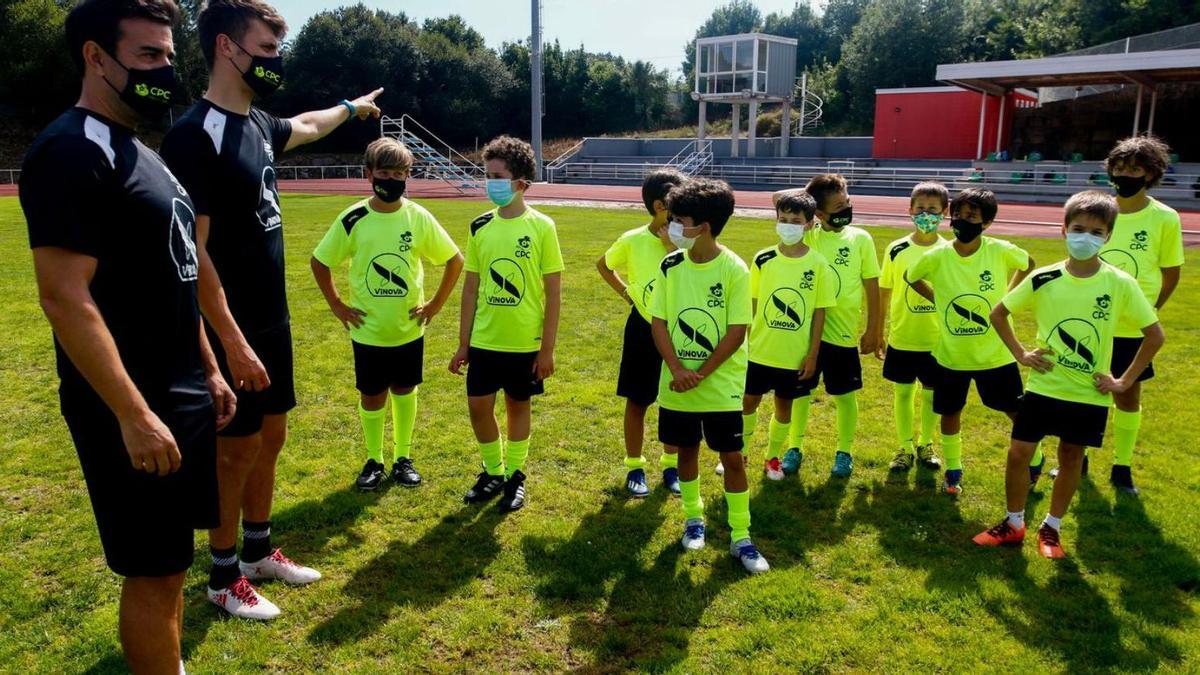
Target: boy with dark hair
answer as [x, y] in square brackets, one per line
[970, 277]
[1147, 244]
[851, 255]
[908, 350]
[1078, 304]
[630, 267]
[791, 286]
[701, 307]
[508, 323]
[385, 239]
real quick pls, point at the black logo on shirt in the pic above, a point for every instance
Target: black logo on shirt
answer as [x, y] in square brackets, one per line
[269, 213]
[183, 240]
[806, 281]
[1073, 343]
[1139, 241]
[696, 335]
[716, 295]
[968, 315]
[1101, 310]
[522, 250]
[1122, 260]
[406, 241]
[505, 284]
[843, 257]
[785, 310]
[916, 303]
[838, 278]
[647, 292]
[386, 274]
[985, 281]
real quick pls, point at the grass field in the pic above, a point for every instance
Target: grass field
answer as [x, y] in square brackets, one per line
[868, 574]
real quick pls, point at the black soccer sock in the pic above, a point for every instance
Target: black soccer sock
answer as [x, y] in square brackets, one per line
[224, 567]
[256, 540]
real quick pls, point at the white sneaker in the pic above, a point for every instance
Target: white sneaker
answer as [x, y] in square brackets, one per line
[277, 566]
[242, 600]
[751, 559]
[773, 469]
[720, 468]
[693, 535]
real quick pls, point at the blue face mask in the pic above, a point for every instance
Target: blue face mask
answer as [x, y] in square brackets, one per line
[500, 191]
[1084, 245]
[927, 222]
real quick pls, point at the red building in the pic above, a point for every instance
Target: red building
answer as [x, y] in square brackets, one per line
[943, 122]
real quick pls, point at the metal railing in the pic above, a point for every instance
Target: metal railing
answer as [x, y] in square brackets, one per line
[698, 157]
[314, 172]
[558, 162]
[430, 161]
[10, 176]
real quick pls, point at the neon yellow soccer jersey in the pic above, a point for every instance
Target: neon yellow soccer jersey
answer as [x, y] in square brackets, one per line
[699, 302]
[1076, 319]
[913, 319]
[387, 277]
[966, 290]
[851, 256]
[511, 255]
[636, 255]
[787, 291]
[1141, 245]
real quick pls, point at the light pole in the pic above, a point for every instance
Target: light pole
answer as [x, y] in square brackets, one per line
[535, 88]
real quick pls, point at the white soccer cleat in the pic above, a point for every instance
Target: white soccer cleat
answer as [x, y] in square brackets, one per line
[693, 535]
[773, 469]
[720, 468]
[751, 559]
[242, 600]
[278, 566]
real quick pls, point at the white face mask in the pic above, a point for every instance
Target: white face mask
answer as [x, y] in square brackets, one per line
[675, 232]
[789, 233]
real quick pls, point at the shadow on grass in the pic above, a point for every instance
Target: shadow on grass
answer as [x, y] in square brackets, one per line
[414, 574]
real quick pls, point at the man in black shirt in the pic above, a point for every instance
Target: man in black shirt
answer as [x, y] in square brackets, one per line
[113, 239]
[224, 151]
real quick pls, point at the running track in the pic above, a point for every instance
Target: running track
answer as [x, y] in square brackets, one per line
[1028, 220]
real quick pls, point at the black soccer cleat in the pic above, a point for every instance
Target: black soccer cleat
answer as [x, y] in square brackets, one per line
[1121, 478]
[404, 473]
[486, 487]
[514, 493]
[371, 477]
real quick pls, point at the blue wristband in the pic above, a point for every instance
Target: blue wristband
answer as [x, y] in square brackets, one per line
[350, 107]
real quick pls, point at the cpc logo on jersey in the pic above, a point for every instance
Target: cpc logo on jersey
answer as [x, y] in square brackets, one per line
[269, 214]
[385, 276]
[786, 310]
[183, 240]
[968, 315]
[505, 285]
[696, 335]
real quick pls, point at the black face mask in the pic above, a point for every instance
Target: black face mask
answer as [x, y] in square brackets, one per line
[841, 218]
[966, 231]
[1127, 186]
[147, 91]
[388, 189]
[265, 74]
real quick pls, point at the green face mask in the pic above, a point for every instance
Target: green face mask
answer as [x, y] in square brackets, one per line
[927, 222]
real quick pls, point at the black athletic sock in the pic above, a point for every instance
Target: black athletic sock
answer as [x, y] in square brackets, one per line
[224, 567]
[256, 540]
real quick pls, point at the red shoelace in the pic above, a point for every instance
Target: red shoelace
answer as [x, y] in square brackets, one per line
[243, 591]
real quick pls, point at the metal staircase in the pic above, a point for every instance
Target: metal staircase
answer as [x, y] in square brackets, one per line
[811, 105]
[433, 158]
[694, 159]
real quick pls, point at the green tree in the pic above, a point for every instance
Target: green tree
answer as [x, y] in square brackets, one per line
[456, 30]
[806, 27]
[739, 16]
[37, 76]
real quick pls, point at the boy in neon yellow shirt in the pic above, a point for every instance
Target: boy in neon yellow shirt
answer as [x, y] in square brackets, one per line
[630, 267]
[701, 308]
[508, 323]
[1078, 304]
[914, 327]
[970, 277]
[791, 286]
[385, 238]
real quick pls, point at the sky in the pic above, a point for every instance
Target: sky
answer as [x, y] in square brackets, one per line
[646, 30]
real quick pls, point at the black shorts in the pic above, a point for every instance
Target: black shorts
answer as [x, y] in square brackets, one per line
[721, 430]
[903, 366]
[489, 371]
[840, 368]
[377, 369]
[1076, 423]
[146, 523]
[274, 348]
[786, 384]
[1124, 350]
[641, 364]
[999, 388]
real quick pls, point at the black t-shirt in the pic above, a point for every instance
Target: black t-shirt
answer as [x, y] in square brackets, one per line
[90, 186]
[227, 163]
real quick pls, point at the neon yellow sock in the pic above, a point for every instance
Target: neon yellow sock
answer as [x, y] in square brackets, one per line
[1038, 456]
[952, 451]
[928, 417]
[668, 461]
[689, 493]
[638, 462]
[847, 420]
[749, 422]
[738, 504]
[515, 453]
[493, 457]
[404, 418]
[1125, 435]
[776, 437]
[372, 425]
[799, 422]
[902, 406]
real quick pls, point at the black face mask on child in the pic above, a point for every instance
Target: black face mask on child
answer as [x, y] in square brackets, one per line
[966, 231]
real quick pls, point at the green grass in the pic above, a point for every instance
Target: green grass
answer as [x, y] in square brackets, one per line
[867, 574]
